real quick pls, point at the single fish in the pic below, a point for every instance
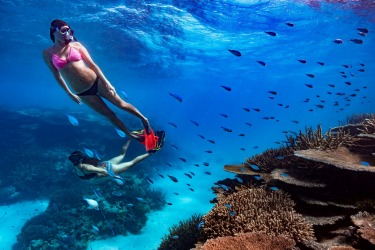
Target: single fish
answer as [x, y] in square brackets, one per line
[117, 193]
[338, 41]
[94, 229]
[207, 173]
[174, 179]
[226, 129]
[88, 152]
[174, 237]
[331, 85]
[177, 97]
[280, 157]
[120, 133]
[182, 159]
[191, 189]
[226, 88]
[248, 124]
[174, 146]
[150, 181]
[176, 193]
[361, 70]
[310, 75]
[224, 115]
[365, 163]
[290, 24]
[195, 123]
[211, 141]
[130, 205]
[246, 109]
[200, 224]
[320, 63]
[272, 92]
[364, 30]
[92, 203]
[256, 109]
[284, 175]
[224, 187]
[271, 33]
[302, 61]
[139, 199]
[361, 33]
[257, 177]
[206, 164]
[168, 164]
[239, 179]
[192, 173]
[309, 85]
[274, 188]
[169, 203]
[161, 176]
[235, 52]
[188, 175]
[172, 124]
[261, 63]
[231, 213]
[241, 135]
[201, 136]
[348, 83]
[124, 95]
[243, 149]
[295, 121]
[357, 41]
[255, 167]
[73, 120]
[208, 151]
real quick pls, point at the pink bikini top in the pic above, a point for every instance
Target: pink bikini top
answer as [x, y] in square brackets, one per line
[73, 56]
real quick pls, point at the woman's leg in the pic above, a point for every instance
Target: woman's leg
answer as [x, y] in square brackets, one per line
[96, 103]
[116, 100]
[122, 167]
[118, 159]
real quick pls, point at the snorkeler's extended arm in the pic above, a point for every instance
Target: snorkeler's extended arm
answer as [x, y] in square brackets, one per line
[92, 169]
[47, 59]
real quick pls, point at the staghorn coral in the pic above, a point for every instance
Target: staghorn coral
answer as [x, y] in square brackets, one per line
[317, 140]
[366, 224]
[182, 236]
[249, 241]
[256, 210]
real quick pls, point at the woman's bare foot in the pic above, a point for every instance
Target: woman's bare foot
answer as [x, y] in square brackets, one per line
[125, 147]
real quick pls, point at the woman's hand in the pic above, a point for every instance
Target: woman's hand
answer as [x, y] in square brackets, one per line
[146, 125]
[75, 98]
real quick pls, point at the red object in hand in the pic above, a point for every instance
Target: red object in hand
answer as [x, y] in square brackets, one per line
[150, 140]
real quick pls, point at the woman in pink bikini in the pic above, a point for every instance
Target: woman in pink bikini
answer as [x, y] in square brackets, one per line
[67, 60]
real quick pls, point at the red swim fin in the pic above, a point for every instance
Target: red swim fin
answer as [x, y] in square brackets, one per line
[150, 140]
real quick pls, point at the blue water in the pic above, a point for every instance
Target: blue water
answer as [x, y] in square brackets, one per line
[152, 48]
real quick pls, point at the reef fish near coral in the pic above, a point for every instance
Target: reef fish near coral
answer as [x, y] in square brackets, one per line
[92, 203]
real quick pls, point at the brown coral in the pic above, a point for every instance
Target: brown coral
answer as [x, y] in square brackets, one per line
[249, 241]
[366, 224]
[256, 210]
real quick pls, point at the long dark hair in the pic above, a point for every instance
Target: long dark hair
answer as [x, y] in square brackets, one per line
[78, 157]
[57, 23]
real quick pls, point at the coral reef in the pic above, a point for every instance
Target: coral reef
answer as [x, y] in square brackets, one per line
[249, 241]
[182, 236]
[256, 210]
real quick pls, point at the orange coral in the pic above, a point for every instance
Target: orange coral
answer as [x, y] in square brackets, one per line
[249, 241]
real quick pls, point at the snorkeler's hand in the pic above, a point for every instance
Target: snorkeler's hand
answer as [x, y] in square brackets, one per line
[146, 125]
[75, 98]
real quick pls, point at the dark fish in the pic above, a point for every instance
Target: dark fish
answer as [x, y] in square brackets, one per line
[241, 135]
[261, 63]
[364, 30]
[207, 173]
[302, 60]
[340, 94]
[309, 85]
[234, 52]
[265, 118]
[242, 149]
[150, 181]
[226, 88]
[226, 129]
[310, 110]
[249, 124]
[197, 165]
[208, 151]
[280, 104]
[338, 41]
[161, 176]
[295, 121]
[357, 41]
[329, 93]
[271, 33]
[172, 124]
[362, 64]
[361, 70]
[188, 175]
[174, 146]
[212, 141]
[246, 109]
[192, 173]
[168, 164]
[320, 63]
[255, 147]
[319, 106]
[224, 115]
[287, 106]
[361, 33]
[168, 203]
[331, 85]
[256, 109]
[310, 75]
[201, 136]
[353, 95]
[307, 100]
[344, 76]
[188, 184]
[176, 193]
[191, 189]
[177, 97]
[182, 159]
[357, 90]
[290, 24]
[195, 123]
[206, 164]
[348, 83]
[174, 179]
[272, 92]
[345, 66]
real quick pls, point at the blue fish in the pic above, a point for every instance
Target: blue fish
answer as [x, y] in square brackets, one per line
[161, 176]
[195, 123]
[226, 88]
[188, 175]
[174, 179]
[73, 120]
[172, 124]
[232, 213]
[261, 63]
[284, 175]
[97, 155]
[365, 163]
[206, 164]
[174, 237]
[124, 95]
[239, 180]
[257, 177]
[271, 33]
[274, 188]
[280, 157]
[243, 169]
[255, 167]
[130, 205]
[88, 152]
[150, 181]
[207, 173]
[212, 141]
[139, 199]
[224, 187]
[200, 224]
[235, 52]
[120, 133]
[177, 97]
[227, 205]
[226, 129]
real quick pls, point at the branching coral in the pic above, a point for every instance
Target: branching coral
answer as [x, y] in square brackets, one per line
[317, 140]
[249, 241]
[366, 224]
[182, 236]
[256, 210]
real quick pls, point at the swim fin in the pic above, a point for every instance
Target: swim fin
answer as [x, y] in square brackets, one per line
[160, 142]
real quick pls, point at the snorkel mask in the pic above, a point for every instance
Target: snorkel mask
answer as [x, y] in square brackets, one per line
[76, 157]
[60, 26]
[67, 33]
